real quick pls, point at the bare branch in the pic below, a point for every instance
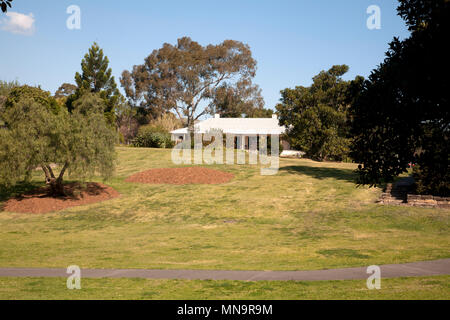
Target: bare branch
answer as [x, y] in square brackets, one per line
[46, 172]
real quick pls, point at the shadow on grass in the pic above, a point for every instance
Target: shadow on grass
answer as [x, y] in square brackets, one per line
[7, 193]
[73, 191]
[322, 173]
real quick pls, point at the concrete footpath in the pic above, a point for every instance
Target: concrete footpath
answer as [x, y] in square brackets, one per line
[414, 269]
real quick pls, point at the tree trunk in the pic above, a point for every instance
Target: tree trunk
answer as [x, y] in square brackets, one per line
[190, 124]
[55, 184]
[190, 129]
[56, 187]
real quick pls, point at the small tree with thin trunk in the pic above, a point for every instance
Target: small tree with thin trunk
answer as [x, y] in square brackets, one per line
[80, 143]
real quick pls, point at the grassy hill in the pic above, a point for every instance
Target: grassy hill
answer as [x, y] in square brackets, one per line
[309, 216]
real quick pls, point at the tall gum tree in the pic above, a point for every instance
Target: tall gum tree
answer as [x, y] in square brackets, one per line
[186, 77]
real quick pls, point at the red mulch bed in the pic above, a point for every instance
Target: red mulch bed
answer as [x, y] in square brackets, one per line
[39, 200]
[180, 176]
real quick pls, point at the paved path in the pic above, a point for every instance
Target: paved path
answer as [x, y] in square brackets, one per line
[415, 269]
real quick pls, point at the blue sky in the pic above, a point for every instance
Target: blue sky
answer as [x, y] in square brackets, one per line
[291, 40]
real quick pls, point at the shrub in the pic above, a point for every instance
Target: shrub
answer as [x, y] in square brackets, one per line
[152, 139]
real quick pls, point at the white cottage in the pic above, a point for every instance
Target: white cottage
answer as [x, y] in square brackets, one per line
[241, 128]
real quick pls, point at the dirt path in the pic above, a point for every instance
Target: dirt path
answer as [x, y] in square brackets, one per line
[414, 269]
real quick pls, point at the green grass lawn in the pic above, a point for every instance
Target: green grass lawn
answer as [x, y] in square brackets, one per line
[55, 288]
[309, 216]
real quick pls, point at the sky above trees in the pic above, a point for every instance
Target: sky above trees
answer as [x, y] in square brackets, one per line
[290, 40]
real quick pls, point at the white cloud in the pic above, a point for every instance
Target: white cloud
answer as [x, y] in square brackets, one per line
[18, 23]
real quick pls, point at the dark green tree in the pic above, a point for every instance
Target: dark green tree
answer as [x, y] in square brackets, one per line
[401, 114]
[96, 77]
[317, 116]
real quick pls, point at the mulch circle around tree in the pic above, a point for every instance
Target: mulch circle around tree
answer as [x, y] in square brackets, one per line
[39, 201]
[181, 176]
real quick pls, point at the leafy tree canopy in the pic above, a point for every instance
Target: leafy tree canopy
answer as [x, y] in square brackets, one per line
[402, 113]
[79, 142]
[186, 77]
[36, 94]
[5, 89]
[316, 116]
[239, 100]
[7, 86]
[96, 77]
